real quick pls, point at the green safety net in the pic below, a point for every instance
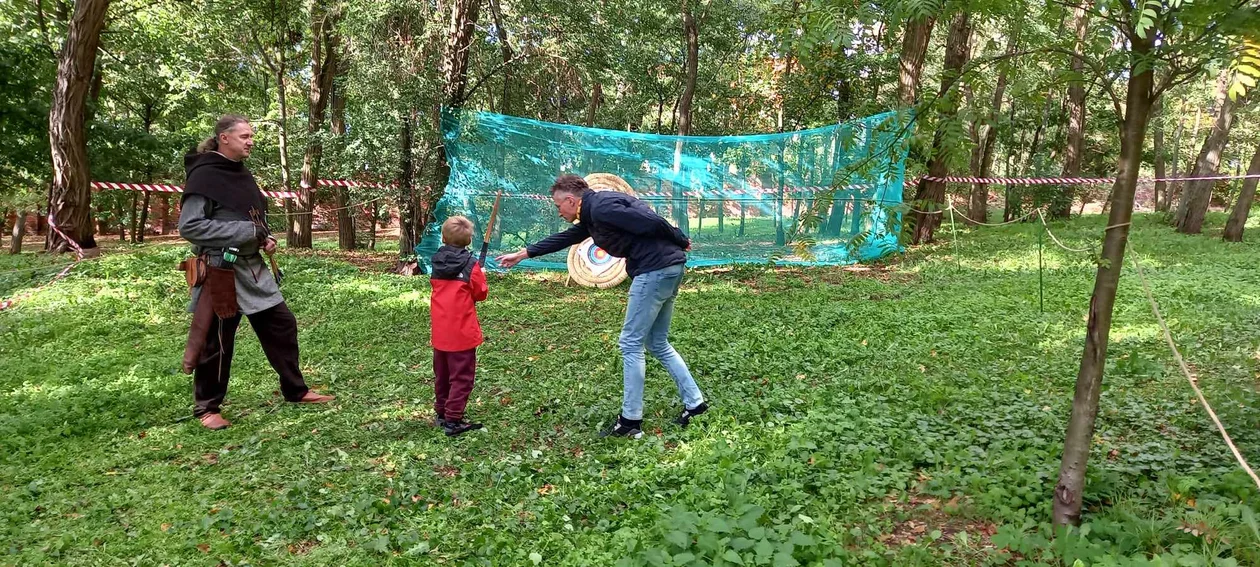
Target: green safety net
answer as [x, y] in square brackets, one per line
[824, 196]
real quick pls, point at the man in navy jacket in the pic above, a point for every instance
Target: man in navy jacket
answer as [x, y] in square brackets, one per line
[655, 253]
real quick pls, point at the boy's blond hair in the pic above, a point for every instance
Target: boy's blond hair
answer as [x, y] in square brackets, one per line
[457, 231]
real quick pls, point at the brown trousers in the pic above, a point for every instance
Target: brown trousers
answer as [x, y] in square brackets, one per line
[453, 374]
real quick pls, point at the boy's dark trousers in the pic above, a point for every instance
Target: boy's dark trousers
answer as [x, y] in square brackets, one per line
[277, 331]
[453, 374]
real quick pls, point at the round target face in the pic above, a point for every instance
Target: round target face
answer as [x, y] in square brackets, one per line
[589, 264]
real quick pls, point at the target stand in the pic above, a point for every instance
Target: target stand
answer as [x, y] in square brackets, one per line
[589, 264]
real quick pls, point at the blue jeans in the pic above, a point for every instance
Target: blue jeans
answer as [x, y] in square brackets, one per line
[648, 314]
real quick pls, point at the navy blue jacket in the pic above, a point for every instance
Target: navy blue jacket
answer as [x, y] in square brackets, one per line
[624, 227]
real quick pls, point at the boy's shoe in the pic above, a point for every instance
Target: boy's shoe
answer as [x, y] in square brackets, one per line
[458, 427]
[687, 414]
[439, 421]
[623, 427]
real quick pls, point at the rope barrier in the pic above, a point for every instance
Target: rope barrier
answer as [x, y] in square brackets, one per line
[1146, 288]
[1055, 238]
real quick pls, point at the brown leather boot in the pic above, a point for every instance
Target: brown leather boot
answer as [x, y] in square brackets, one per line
[214, 421]
[310, 397]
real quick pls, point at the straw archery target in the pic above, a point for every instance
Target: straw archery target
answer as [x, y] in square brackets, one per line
[589, 264]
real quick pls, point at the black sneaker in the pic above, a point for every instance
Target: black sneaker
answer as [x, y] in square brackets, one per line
[687, 414]
[623, 427]
[439, 421]
[458, 427]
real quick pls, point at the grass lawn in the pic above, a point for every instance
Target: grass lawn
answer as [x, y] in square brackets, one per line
[907, 414]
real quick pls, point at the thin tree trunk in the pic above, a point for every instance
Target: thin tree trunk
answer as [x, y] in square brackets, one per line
[19, 231]
[597, 98]
[323, 69]
[1008, 208]
[913, 51]
[1242, 208]
[135, 214]
[506, 48]
[148, 178]
[376, 214]
[1061, 207]
[1080, 431]
[407, 237]
[1166, 204]
[691, 40]
[282, 136]
[70, 196]
[979, 206]
[956, 53]
[461, 31]
[1157, 113]
[1198, 194]
[1180, 186]
[346, 237]
[121, 219]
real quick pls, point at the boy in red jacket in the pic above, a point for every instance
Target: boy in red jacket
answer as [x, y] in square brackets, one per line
[458, 283]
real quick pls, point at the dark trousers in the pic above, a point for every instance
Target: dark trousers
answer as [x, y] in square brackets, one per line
[277, 332]
[453, 374]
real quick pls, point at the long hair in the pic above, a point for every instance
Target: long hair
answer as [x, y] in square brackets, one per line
[225, 123]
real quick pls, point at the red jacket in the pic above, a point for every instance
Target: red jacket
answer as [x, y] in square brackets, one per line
[458, 284]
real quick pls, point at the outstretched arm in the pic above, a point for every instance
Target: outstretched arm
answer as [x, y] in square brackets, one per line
[554, 243]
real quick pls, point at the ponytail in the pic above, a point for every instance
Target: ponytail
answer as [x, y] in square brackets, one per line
[208, 145]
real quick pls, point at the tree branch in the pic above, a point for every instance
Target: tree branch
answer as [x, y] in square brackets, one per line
[1099, 73]
[1093, 11]
[43, 27]
[493, 72]
[253, 35]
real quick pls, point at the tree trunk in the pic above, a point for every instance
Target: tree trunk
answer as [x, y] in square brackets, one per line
[376, 215]
[956, 52]
[1179, 186]
[148, 178]
[1160, 163]
[1080, 432]
[163, 214]
[71, 194]
[120, 218]
[597, 98]
[19, 230]
[1166, 204]
[1061, 207]
[135, 214]
[407, 237]
[282, 137]
[979, 206]
[1238, 218]
[506, 48]
[913, 51]
[144, 215]
[455, 82]
[323, 69]
[1198, 194]
[691, 39]
[346, 237]
[1008, 208]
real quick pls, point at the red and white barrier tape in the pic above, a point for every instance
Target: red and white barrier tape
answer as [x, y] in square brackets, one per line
[78, 253]
[1073, 180]
[160, 188]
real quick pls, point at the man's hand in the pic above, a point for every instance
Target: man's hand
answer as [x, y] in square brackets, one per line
[269, 245]
[509, 260]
